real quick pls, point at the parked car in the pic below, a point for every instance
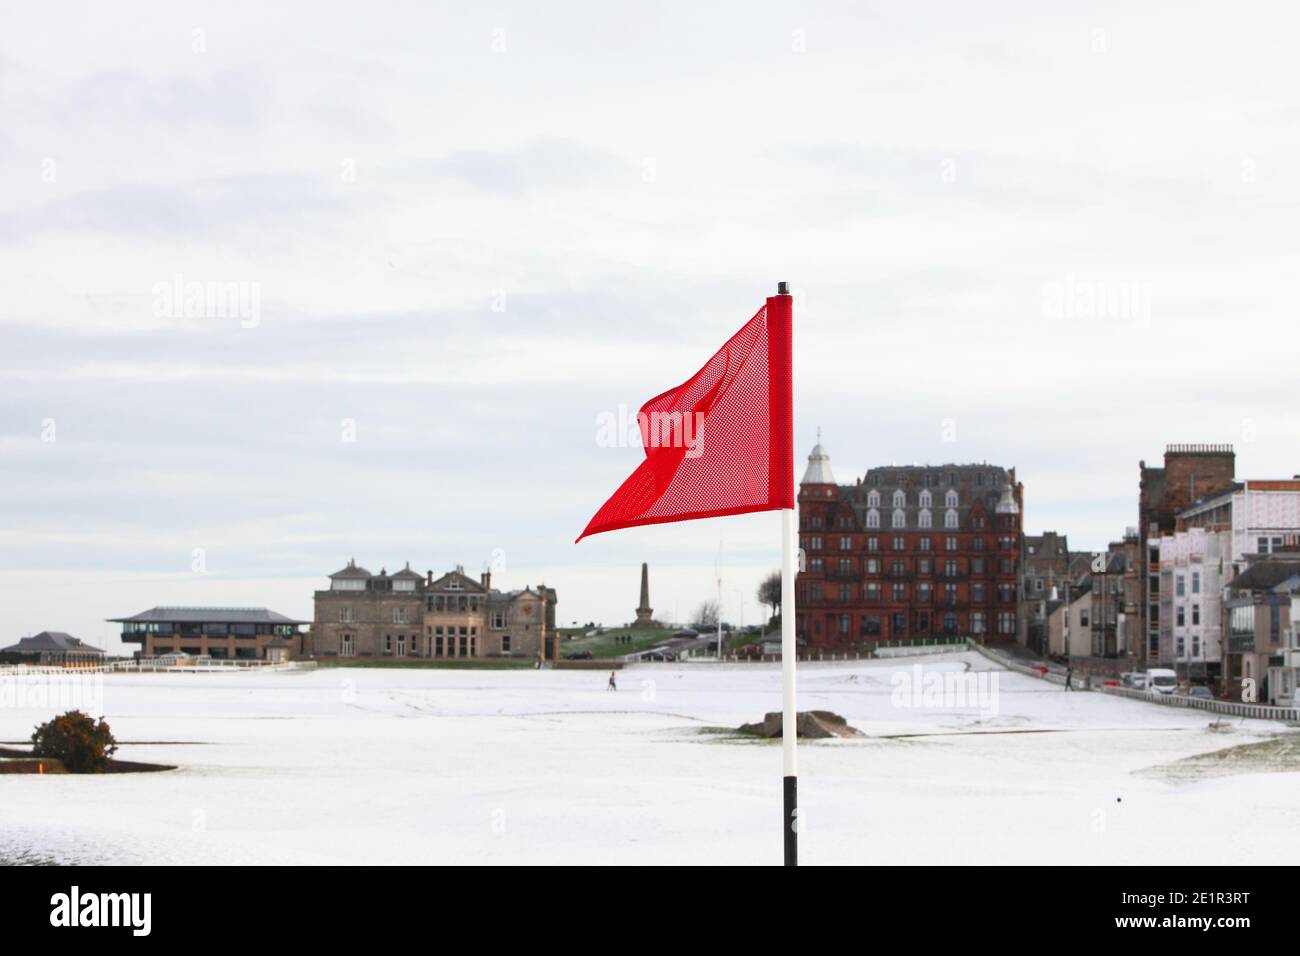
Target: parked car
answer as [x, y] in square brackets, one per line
[1134, 679]
[1200, 693]
[578, 656]
[1161, 680]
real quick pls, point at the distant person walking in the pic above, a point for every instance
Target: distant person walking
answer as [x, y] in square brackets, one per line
[613, 685]
[1069, 674]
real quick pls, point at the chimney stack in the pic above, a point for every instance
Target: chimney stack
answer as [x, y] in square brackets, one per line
[486, 578]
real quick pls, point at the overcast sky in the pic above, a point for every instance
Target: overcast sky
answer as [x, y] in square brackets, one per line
[1049, 240]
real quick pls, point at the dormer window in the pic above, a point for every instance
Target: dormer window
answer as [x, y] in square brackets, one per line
[873, 518]
[873, 499]
[900, 518]
[950, 500]
[403, 584]
[900, 499]
[923, 520]
[348, 584]
[926, 499]
[950, 518]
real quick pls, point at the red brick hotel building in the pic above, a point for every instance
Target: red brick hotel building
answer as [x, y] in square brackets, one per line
[908, 552]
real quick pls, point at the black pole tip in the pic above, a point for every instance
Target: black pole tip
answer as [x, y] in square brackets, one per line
[783, 288]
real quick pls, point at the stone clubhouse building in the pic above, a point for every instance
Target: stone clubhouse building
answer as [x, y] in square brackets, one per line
[412, 615]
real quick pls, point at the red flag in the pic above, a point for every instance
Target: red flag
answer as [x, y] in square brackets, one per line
[722, 443]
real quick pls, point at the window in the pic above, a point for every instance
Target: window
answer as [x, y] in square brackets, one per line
[846, 566]
[924, 544]
[844, 624]
[950, 518]
[873, 499]
[870, 625]
[899, 519]
[1182, 615]
[1196, 645]
[505, 643]
[1006, 622]
[846, 543]
[923, 566]
[1180, 588]
[873, 518]
[950, 499]
[950, 622]
[403, 584]
[949, 568]
[1196, 582]
[923, 520]
[345, 646]
[900, 592]
[399, 615]
[1182, 646]
[950, 543]
[976, 565]
[873, 590]
[900, 499]
[1196, 614]
[348, 584]
[873, 565]
[925, 499]
[345, 614]
[815, 543]
[873, 544]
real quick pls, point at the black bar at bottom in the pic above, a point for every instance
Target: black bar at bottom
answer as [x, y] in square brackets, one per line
[791, 821]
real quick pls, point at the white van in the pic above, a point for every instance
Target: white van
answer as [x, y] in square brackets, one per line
[1161, 680]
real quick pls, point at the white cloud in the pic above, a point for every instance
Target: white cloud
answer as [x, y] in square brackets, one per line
[473, 253]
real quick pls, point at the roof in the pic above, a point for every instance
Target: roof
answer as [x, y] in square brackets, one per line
[406, 572]
[207, 615]
[352, 571]
[819, 468]
[467, 584]
[50, 641]
[1263, 575]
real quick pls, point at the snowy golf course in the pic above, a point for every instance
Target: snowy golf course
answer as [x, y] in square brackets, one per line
[371, 765]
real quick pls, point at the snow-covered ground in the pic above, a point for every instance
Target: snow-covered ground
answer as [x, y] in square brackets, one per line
[441, 766]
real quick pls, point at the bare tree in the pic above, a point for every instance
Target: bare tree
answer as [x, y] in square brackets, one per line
[769, 592]
[706, 616]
